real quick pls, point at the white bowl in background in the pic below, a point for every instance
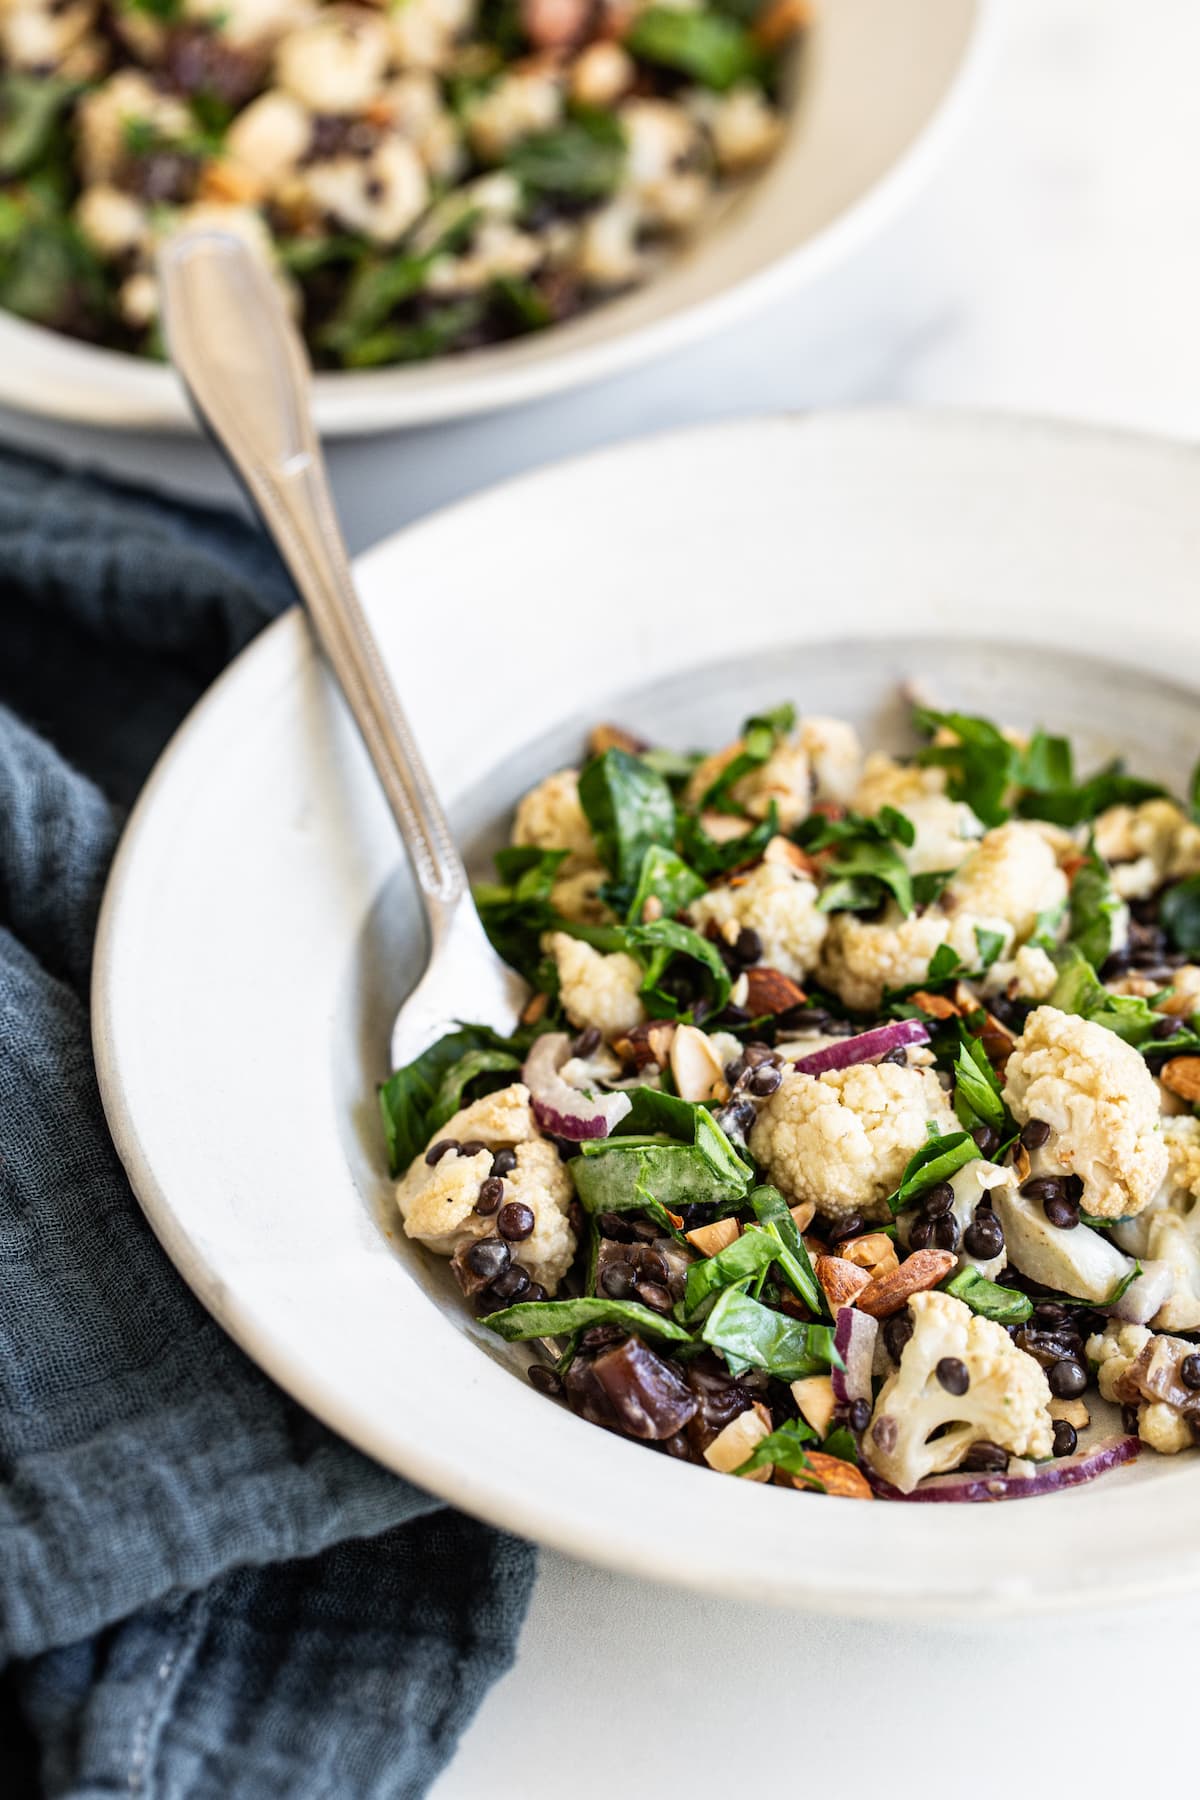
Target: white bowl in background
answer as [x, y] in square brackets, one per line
[260, 929]
[882, 86]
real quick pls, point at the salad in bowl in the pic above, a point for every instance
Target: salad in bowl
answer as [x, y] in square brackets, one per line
[850, 1138]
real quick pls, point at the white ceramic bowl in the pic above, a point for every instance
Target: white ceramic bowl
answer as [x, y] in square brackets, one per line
[259, 932]
[875, 107]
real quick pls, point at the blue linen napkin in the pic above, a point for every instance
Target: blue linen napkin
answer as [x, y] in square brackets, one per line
[203, 1592]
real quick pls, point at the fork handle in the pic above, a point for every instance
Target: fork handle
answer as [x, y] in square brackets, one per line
[247, 374]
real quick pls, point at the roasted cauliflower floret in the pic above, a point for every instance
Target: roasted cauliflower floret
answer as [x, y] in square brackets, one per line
[1168, 1231]
[437, 1200]
[1006, 1400]
[834, 756]
[1029, 975]
[1100, 1102]
[780, 904]
[1012, 875]
[842, 1140]
[1147, 845]
[551, 818]
[947, 830]
[787, 778]
[862, 957]
[1136, 1367]
[598, 990]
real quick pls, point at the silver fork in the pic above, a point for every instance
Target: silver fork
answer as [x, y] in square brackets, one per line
[247, 376]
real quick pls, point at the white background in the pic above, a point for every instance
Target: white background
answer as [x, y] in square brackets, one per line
[1053, 266]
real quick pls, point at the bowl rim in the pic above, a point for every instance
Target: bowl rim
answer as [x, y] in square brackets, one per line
[94, 382]
[1150, 1572]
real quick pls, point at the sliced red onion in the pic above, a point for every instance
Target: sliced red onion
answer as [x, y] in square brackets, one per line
[1046, 1478]
[854, 1336]
[559, 1108]
[1144, 1295]
[865, 1047]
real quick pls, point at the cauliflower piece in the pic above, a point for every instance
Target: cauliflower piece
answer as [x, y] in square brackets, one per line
[662, 150]
[787, 777]
[1012, 875]
[1136, 1367]
[336, 64]
[1184, 997]
[437, 1200]
[249, 24]
[268, 139]
[578, 897]
[834, 755]
[608, 254]
[968, 1186]
[379, 195]
[42, 35]
[862, 957]
[1006, 1403]
[551, 818]
[886, 782]
[1029, 975]
[1100, 1102]
[744, 128]
[114, 223]
[1147, 845]
[946, 833]
[842, 1140]
[1168, 1230]
[423, 32]
[104, 113]
[601, 74]
[498, 250]
[516, 106]
[780, 904]
[598, 990]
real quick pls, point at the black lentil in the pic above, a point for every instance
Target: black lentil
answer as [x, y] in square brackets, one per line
[617, 1280]
[471, 1148]
[985, 1458]
[545, 1379]
[1067, 1379]
[748, 947]
[953, 1375]
[515, 1221]
[652, 1295]
[513, 1284]
[984, 1236]
[1066, 1438]
[939, 1199]
[765, 1080]
[587, 1041]
[435, 1152]
[1189, 1372]
[858, 1417]
[488, 1258]
[896, 1332]
[1062, 1213]
[503, 1163]
[1035, 1133]
[490, 1196]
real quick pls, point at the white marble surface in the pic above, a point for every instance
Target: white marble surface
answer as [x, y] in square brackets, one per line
[1054, 267]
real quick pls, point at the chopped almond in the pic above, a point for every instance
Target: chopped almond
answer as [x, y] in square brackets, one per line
[936, 1005]
[723, 828]
[709, 1239]
[645, 1044]
[768, 991]
[698, 1070]
[874, 1252]
[739, 1439]
[230, 182]
[1182, 1076]
[534, 1008]
[841, 1282]
[782, 850]
[613, 737]
[838, 1478]
[924, 1269]
[652, 908]
[803, 1215]
[783, 20]
[814, 1396]
[1073, 1411]
[997, 1041]
[1022, 1164]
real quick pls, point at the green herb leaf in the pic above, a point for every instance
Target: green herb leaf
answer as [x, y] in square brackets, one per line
[31, 110]
[708, 46]
[980, 767]
[1007, 1306]
[1194, 794]
[628, 808]
[1095, 910]
[516, 909]
[748, 1332]
[770, 1208]
[1180, 915]
[1077, 805]
[555, 1318]
[760, 737]
[667, 878]
[580, 160]
[1079, 990]
[419, 1098]
[989, 945]
[937, 1160]
[666, 1153]
[930, 886]
[841, 1443]
[944, 963]
[712, 859]
[977, 1094]
[750, 1254]
[783, 1449]
[435, 333]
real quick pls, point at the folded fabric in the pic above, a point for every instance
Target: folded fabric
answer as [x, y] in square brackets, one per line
[203, 1592]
